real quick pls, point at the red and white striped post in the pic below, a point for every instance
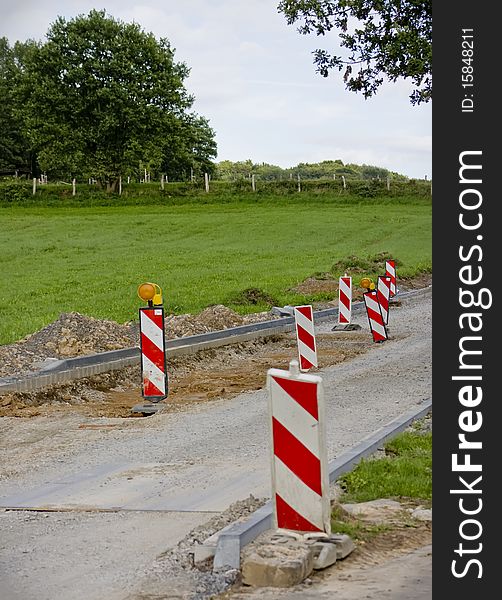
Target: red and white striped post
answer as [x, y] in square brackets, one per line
[344, 300]
[383, 295]
[305, 335]
[300, 481]
[390, 271]
[153, 353]
[375, 318]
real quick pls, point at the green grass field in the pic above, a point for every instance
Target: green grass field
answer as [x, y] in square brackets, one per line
[92, 259]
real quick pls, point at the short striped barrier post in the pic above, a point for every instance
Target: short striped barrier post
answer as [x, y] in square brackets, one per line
[305, 335]
[344, 300]
[153, 353]
[375, 318]
[390, 271]
[383, 295]
[300, 482]
[345, 305]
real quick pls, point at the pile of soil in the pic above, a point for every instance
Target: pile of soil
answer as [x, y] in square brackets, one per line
[213, 318]
[360, 265]
[74, 334]
[326, 283]
[316, 285]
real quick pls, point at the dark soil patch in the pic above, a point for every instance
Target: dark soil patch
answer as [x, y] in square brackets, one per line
[368, 264]
[253, 296]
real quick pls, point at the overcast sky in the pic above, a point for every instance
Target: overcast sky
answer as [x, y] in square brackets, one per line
[253, 78]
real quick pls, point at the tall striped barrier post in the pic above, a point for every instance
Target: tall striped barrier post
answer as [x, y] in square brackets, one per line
[373, 310]
[154, 380]
[345, 305]
[390, 271]
[383, 295]
[344, 300]
[300, 481]
[305, 336]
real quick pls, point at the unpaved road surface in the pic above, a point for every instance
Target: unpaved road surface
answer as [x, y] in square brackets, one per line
[104, 497]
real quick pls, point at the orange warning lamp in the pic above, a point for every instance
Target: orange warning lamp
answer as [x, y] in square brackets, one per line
[367, 283]
[151, 293]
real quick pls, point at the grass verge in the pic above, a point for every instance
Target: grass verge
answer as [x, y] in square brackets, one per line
[404, 473]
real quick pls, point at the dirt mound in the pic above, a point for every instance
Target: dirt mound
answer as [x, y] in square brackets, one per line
[368, 264]
[72, 334]
[212, 318]
[253, 296]
[313, 285]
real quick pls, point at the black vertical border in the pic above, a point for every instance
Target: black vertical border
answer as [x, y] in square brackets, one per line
[455, 132]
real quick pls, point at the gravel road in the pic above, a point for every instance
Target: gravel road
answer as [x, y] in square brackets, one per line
[130, 489]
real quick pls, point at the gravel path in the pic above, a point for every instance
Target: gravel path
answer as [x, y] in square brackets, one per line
[190, 464]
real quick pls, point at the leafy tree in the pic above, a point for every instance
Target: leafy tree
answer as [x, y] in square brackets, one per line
[228, 170]
[14, 150]
[102, 95]
[372, 172]
[267, 172]
[191, 145]
[382, 38]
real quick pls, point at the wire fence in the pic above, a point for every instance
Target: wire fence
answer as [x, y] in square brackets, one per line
[16, 190]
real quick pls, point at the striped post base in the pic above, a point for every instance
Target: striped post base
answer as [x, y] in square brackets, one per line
[300, 484]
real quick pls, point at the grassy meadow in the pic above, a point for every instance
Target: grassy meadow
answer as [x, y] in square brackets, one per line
[91, 259]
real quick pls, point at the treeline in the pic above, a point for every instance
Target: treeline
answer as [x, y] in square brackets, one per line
[103, 101]
[99, 99]
[227, 170]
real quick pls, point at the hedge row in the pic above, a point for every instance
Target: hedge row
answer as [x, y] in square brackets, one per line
[20, 192]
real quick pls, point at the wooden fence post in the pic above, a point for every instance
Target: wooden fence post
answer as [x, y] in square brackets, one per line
[34, 185]
[206, 182]
[73, 187]
[253, 183]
